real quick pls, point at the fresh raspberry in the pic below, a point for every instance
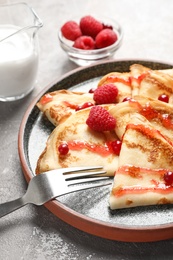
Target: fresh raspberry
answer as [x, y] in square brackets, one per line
[84, 42]
[100, 120]
[105, 38]
[105, 94]
[71, 30]
[107, 26]
[90, 26]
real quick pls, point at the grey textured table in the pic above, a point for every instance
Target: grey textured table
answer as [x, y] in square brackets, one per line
[33, 232]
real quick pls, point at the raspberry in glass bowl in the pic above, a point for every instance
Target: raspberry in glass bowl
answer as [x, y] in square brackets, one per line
[88, 39]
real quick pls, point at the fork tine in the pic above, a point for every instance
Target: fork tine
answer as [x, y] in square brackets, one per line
[87, 186]
[82, 175]
[78, 181]
[80, 169]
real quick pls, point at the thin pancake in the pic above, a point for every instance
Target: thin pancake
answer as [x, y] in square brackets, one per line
[60, 104]
[144, 159]
[151, 83]
[86, 147]
[159, 114]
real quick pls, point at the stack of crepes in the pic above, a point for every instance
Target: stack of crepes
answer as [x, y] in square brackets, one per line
[143, 170]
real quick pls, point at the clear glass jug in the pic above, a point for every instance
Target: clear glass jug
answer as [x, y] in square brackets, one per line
[19, 51]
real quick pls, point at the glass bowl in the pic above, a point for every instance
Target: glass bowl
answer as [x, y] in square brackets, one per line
[87, 57]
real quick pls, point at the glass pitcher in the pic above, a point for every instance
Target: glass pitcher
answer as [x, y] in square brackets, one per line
[19, 52]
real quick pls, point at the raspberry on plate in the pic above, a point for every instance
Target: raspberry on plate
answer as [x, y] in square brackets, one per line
[100, 119]
[105, 38]
[106, 94]
[71, 30]
[84, 42]
[90, 26]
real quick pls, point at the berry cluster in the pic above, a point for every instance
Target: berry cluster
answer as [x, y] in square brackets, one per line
[99, 118]
[89, 34]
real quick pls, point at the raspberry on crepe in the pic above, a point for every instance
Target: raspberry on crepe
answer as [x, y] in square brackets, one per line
[100, 120]
[121, 81]
[106, 94]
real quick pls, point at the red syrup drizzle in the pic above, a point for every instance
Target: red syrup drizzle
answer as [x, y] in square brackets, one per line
[148, 112]
[138, 172]
[114, 79]
[103, 150]
[139, 78]
[148, 131]
[46, 99]
[145, 130]
[127, 81]
[78, 107]
[161, 188]
[70, 105]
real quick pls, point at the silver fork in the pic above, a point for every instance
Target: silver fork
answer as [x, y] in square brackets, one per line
[49, 185]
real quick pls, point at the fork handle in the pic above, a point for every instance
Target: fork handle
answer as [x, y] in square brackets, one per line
[10, 206]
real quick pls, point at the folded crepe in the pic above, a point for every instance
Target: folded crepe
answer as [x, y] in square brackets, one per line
[158, 113]
[86, 147]
[144, 159]
[59, 105]
[151, 83]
